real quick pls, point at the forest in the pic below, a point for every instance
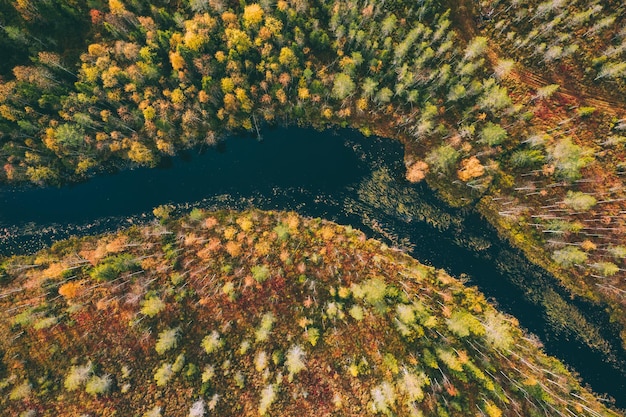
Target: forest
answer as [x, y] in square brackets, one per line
[261, 313]
[516, 108]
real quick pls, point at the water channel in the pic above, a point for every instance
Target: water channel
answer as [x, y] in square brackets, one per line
[350, 179]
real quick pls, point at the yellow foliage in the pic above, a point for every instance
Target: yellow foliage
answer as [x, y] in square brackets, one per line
[220, 56]
[292, 221]
[275, 26]
[588, 245]
[230, 232]
[165, 147]
[96, 49]
[140, 153]
[246, 103]
[177, 61]
[262, 248]
[117, 244]
[177, 96]
[252, 15]
[361, 104]
[303, 93]
[116, 7]
[281, 96]
[229, 18]
[287, 57]
[493, 410]
[90, 73]
[194, 41]
[55, 270]
[245, 223]
[70, 290]
[5, 111]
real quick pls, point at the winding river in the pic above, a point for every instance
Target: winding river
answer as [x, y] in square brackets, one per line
[344, 177]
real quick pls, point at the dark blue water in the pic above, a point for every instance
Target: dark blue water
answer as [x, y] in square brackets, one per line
[344, 177]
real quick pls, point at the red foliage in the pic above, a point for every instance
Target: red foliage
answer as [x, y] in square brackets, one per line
[96, 16]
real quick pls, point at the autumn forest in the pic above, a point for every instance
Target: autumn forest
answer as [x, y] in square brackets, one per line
[513, 109]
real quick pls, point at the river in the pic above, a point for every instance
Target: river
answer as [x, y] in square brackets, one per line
[350, 179]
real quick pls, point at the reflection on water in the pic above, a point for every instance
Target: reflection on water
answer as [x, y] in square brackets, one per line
[351, 180]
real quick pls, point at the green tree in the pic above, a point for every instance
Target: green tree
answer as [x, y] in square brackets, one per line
[443, 158]
[493, 134]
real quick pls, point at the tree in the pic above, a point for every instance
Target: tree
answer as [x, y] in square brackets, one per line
[493, 134]
[475, 48]
[287, 57]
[268, 396]
[69, 136]
[163, 374]
[443, 158]
[569, 256]
[494, 97]
[152, 306]
[579, 201]
[570, 158]
[98, 385]
[295, 360]
[252, 15]
[343, 86]
[77, 376]
[168, 339]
